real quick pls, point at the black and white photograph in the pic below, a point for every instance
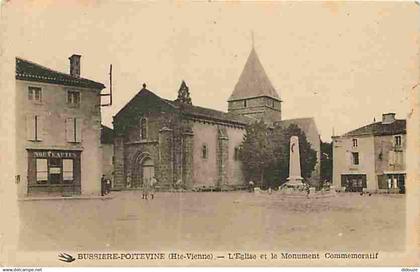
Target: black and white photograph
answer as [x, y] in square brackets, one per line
[210, 133]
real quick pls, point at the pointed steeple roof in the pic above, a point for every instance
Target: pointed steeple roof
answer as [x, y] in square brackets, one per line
[253, 81]
[184, 94]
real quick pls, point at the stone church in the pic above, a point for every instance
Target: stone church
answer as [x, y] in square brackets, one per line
[178, 142]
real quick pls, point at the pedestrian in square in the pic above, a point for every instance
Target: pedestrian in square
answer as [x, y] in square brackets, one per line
[103, 184]
[153, 182]
[108, 186]
[251, 186]
[146, 185]
[178, 184]
[308, 190]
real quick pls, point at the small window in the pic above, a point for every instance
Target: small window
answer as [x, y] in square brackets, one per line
[355, 143]
[236, 154]
[270, 102]
[397, 141]
[244, 103]
[35, 94]
[143, 128]
[204, 151]
[73, 98]
[355, 158]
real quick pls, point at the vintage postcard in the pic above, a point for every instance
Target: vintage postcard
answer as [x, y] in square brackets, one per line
[204, 133]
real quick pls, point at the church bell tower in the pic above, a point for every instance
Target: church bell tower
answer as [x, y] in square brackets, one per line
[254, 96]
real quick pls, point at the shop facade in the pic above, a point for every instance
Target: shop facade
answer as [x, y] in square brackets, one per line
[58, 132]
[54, 171]
[372, 158]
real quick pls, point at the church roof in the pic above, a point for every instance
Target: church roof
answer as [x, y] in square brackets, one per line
[28, 70]
[146, 100]
[210, 114]
[253, 81]
[107, 135]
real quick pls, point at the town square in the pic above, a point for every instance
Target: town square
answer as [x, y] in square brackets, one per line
[214, 221]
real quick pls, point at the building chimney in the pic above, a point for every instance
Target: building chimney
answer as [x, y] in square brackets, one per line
[388, 118]
[75, 65]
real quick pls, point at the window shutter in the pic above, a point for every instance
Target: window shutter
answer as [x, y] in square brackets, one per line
[400, 158]
[391, 158]
[40, 128]
[403, 158]
[30, 127]
[70, 130]
[349, 157]
[78, 128]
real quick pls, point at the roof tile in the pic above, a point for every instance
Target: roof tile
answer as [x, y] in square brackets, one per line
[253, 81]
[27, 70]
[379, 129]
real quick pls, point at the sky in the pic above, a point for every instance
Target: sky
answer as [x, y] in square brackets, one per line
[343, 63]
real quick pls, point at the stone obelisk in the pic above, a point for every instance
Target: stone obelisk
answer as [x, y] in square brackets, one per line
[295, 178]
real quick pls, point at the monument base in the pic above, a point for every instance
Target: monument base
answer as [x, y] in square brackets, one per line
[293, 184]
[295, 181]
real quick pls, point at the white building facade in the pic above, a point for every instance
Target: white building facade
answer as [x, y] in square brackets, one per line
[371, 158]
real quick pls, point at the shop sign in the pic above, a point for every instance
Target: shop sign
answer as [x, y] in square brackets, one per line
[54, 154]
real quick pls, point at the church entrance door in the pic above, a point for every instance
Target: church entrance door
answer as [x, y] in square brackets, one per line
[148, 170]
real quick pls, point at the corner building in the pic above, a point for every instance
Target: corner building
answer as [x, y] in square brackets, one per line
[58, 125]
[372, 158]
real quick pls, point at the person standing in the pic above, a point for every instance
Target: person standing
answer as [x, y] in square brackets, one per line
[153, 182]
[308, 190]
[146, 185]
[103, 184]
[251, 186]
[128, 182]
[178, 184]
[108, 186]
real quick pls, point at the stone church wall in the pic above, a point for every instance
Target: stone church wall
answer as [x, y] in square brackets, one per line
[235, 175]
[130, 149]
[205, 171]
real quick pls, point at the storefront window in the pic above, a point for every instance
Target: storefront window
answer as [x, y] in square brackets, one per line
[67, 170]
[41, 170]
[54, 171]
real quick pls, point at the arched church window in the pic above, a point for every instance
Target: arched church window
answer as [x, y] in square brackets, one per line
[236, 154]
[143, 128]
[204, 151]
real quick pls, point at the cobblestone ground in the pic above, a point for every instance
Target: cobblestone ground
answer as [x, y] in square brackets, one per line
[214, 221]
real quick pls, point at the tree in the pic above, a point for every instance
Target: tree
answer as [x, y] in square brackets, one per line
[281, 142]
[326, 162]
[265, 154]
[256, 153]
